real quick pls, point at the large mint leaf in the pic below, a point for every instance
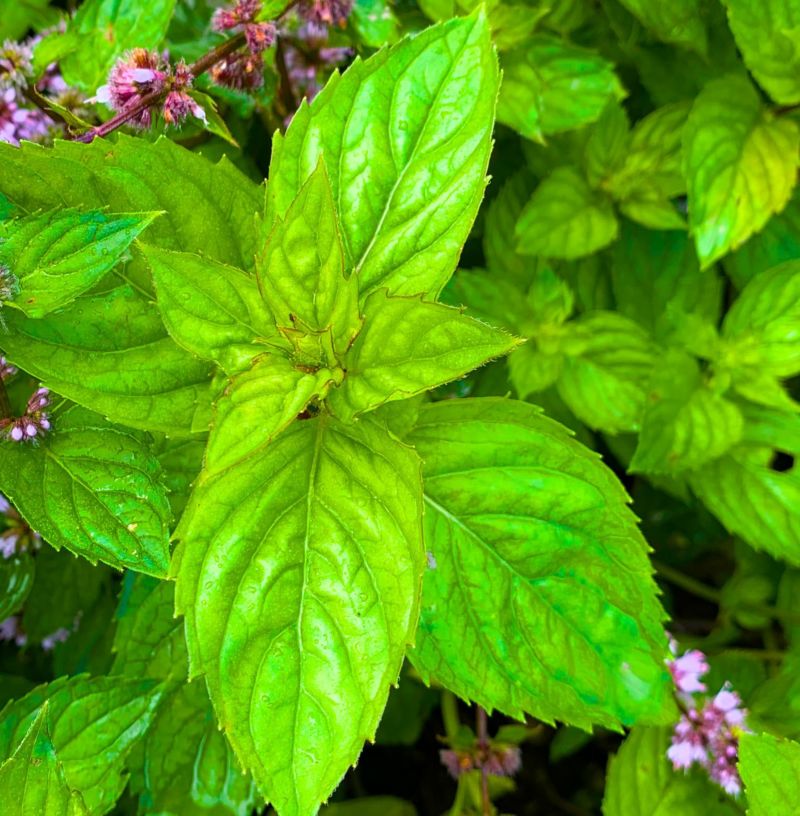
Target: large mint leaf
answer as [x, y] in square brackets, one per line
[102, 30]
[685, 423]
[740, 164]
[257, 405]
[608, 363]
[641, 782]
[406, 137]
[87, 718]
[540, 597]
[183, 766]
[211, 309]
[768, 35]
[93, 489]
[59, 255]
[550, 86]
[749, 497]
[565, 218]
[301, 268]
[299, 573]
[770, 769]
[408, 346]
[110, 352]
[679, 22]
[32, 780]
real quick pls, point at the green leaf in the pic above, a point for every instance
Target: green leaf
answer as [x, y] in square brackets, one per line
[59, 255]
[371, 806]
[762, 328]
[17, 16]
[685, 423]
[565, 218]
[679, 22]
[211, 309]
[88, 717]
[110, 352]
[607, 145]
[750, 498]
[770, 769]
[499, 246]
[181, 461]
[641, 782]
[490, 299]
[406, 137]
[93, 489]
[651, 174]
[408, 346]
[258, 405]
[375, 22]
[301, 269]
[551, 86]
[32, 780]
[608, 363]
[768, 36]
[656, 279]
[105, 29]
[300, 689]
[16, 580]
[740, 164]
[540, 599]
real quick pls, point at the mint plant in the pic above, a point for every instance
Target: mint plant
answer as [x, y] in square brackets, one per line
[395, 373]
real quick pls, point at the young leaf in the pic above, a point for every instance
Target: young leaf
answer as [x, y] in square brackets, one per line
[301, 269]
[111, 353]
[679, 22]
[685, 423]
[499, 246]
[406, 137]
[88, 717]
[640, 782]
[750, 498]
[740, 164]
[258, 405]
[550, 86]
[408, 346]
[213, 310]
[767, 36]
[59, 255]
[565, 218]
[608, 362]
[322, 530]
[770, 769]
[32, 780]
[93, 489]
[541, 599]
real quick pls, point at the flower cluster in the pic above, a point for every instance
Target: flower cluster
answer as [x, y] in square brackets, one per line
[142, 73]
[496, 760]
[9, 285]
[16, 65]
[707, 734]
[326, 12]
[244, 69]
[33, 423]
[7, 371]
[17, 535]
[11, 630]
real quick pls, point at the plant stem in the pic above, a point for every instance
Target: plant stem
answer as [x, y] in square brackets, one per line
[482, 731]
[708, 593]
[450, 716]
[33, 95]
[155, 97]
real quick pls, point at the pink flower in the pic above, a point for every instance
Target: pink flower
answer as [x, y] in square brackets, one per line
[687, 670]
[326, 12]
[33, 423]
[457, 762]
[245, 11]
[179, 105]
[7, 371]
[139, 73]
[239, 71]
[59, 636]
[16, 65]
[10, 629]
[259, 36]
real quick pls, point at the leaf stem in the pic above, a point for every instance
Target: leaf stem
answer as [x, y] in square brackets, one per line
[33, 95]
[701, 590]
[450, 717]
[155, 97]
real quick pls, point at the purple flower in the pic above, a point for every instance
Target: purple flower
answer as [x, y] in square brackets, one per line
[10, 629]
[326, 12]
[687, 670]
[259, 36]
[59, 636]
[9, 286]
[240, 71]
[33, 423]
[17, 536]
[139, 73]
[178, 105]
[457, 762]
[244, 11]
[16, 65]
[8, 543]
[7, 371]
[495, 759]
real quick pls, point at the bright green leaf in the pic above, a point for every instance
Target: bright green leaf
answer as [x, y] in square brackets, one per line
[499, 246]
[740, 164]
[88, 717]
[565, 218]
[550, 86]
[59, 255]
[408, 346]
[679, 22]
[323, 529]
[16, 580]
[406, 137]
[770, 770]
[93, 489]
